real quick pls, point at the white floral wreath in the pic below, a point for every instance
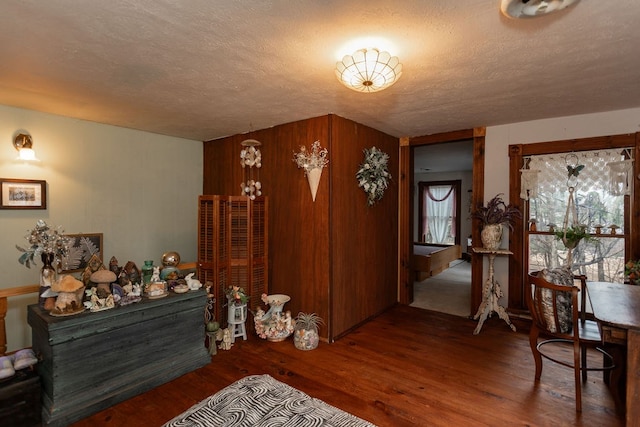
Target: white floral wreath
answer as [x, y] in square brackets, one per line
[373, 175]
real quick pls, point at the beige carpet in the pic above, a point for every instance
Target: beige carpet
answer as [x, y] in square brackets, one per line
[448, 292]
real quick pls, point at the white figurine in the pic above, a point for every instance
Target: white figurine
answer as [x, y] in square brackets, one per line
[193, 284]
[288, 321]
[155, 277]
[226, 340]
[136, 290]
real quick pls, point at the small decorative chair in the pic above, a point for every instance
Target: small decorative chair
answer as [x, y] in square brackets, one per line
[555, 315]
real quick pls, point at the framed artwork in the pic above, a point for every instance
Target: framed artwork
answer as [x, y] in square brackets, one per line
[83, 248]
[23, 194]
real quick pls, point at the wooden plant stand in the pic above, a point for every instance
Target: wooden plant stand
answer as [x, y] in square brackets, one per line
[491, 292]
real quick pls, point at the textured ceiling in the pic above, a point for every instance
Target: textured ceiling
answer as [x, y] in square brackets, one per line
[204, 69]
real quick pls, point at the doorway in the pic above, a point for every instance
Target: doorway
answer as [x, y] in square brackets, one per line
[442, 174]
[411, 151]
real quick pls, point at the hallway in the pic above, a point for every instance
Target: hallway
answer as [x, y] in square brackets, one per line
[448, 292]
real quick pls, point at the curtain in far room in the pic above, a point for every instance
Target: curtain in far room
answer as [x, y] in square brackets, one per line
[438, 219]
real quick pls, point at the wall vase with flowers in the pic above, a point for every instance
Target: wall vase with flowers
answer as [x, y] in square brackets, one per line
[373, 176]
[50, 245]
[312, 161]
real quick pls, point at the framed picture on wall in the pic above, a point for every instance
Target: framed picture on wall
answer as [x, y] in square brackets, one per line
[23, 194]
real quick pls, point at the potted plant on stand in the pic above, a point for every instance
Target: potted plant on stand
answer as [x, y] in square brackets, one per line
[494, 216]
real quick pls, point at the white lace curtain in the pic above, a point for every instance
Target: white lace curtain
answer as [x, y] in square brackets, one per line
[440, 209]
[596, 173]
[598, 176]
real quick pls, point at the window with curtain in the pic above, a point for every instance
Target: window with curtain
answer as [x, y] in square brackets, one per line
[588, 189]
[439, 212]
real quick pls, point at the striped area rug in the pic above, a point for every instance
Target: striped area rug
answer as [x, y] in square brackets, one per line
[261, 401]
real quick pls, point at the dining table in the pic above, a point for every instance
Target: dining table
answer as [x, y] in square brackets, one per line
[616, 308]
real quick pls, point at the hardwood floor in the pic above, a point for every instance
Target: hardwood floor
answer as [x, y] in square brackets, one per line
[406, 367]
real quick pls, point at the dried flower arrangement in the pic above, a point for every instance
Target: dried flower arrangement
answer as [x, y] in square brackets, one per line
[44, 239]
[497, 211]
[314, 159]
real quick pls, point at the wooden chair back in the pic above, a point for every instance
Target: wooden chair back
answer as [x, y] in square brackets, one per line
[544, 300]
[5, 294]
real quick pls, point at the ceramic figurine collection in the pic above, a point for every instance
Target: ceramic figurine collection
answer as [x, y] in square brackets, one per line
[98, 287]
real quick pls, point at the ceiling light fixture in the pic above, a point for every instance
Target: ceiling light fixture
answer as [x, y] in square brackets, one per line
[24, 143]
[368, 70]
[533, 8]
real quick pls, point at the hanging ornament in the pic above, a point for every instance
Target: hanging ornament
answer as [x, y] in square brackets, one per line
[251, 162]
[573, 169]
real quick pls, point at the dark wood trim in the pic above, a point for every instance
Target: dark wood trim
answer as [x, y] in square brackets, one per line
[516, 238]
[583, 144]
[477, 199]
[405, 211]
[459, 135]
[634, 249]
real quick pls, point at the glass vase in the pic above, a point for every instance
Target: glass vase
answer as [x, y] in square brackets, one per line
[147, 272]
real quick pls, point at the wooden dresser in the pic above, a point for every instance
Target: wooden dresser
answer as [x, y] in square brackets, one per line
[91, 361]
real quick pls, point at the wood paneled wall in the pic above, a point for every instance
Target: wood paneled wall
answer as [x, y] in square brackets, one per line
[336, 256]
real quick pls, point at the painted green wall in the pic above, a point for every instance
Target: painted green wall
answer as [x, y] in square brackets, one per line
[137, 188]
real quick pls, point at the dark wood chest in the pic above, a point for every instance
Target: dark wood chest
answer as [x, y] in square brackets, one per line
[20, 399]
[91, 361]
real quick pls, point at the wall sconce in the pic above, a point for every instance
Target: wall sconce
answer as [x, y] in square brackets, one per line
[24, 144]
[368, 70]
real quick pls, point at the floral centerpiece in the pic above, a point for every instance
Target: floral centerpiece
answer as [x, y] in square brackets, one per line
[632, 271]
[44, 241]
[236, 295]
[373, 176]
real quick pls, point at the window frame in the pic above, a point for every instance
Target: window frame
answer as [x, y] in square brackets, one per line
[518, 242]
